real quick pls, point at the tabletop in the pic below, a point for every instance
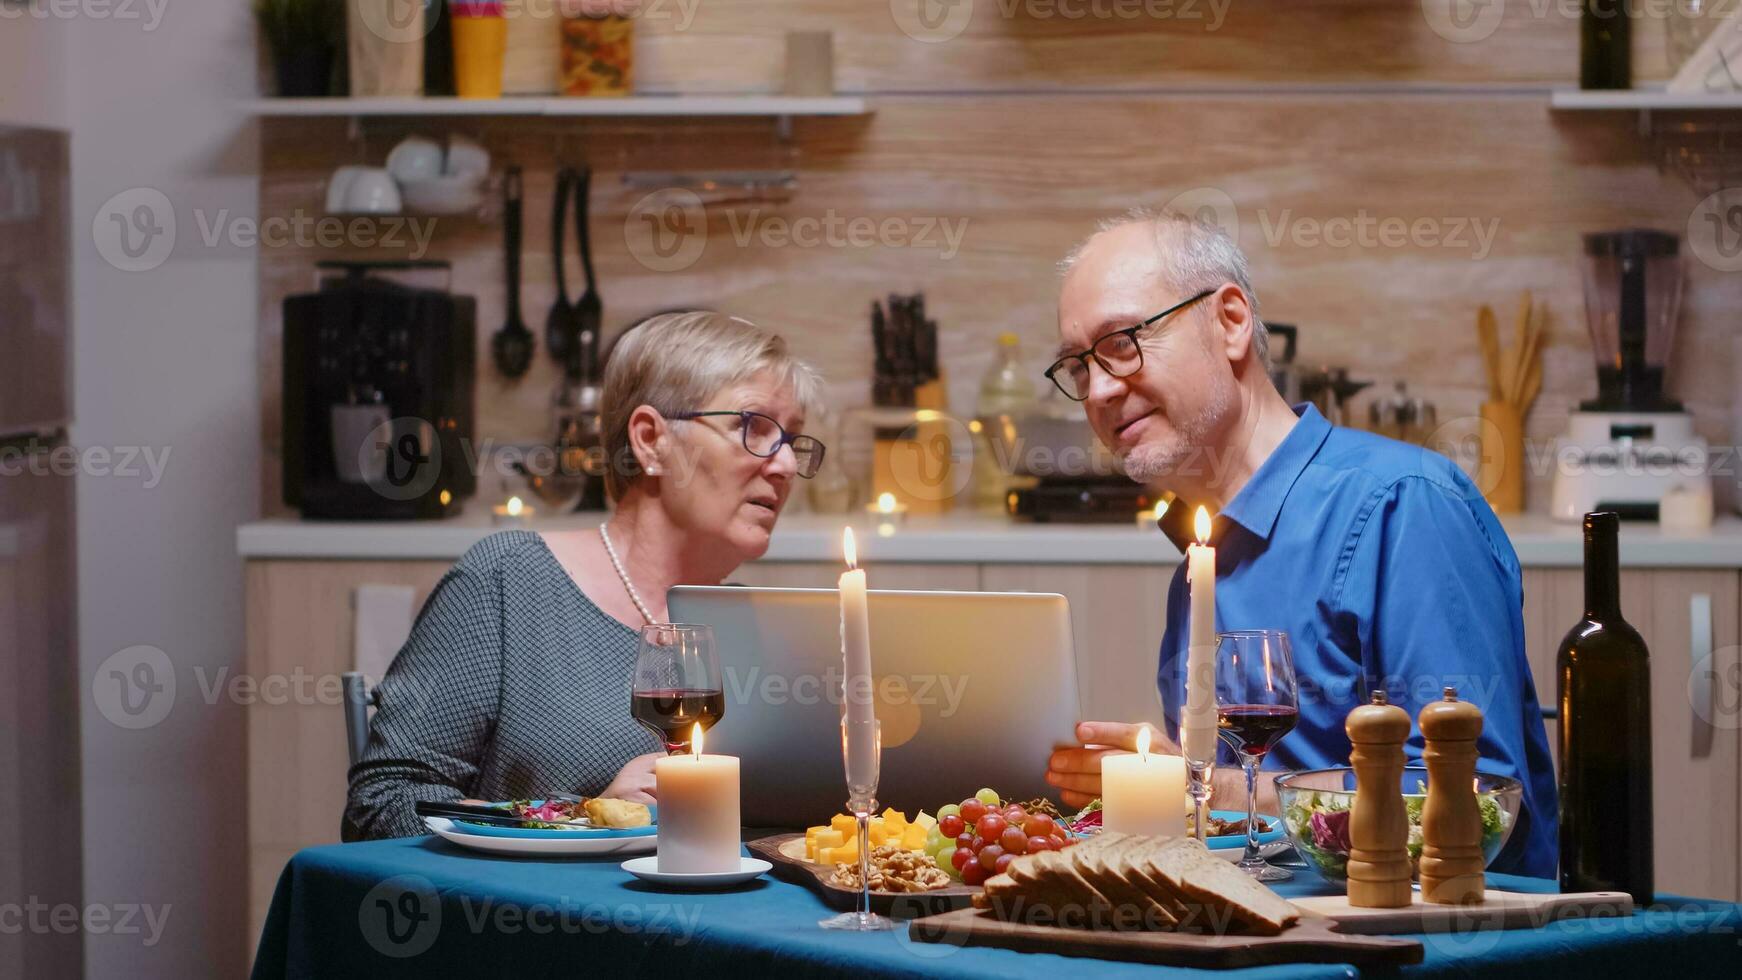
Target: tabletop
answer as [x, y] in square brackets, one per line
[423, 907]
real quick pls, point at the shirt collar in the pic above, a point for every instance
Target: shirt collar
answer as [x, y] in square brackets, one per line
[1258, 503]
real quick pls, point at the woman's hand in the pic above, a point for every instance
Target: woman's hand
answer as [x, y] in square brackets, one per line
[1077, 771]
[634, 781]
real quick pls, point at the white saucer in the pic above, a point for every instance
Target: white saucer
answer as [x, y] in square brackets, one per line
[647, 869]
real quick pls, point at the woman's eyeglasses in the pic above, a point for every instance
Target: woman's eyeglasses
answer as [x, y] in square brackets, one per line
[1118, 353]
[764, 436]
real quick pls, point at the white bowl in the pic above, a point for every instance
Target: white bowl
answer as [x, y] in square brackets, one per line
[462, 194]
[416, 158]
[466, 157]
[373, 191]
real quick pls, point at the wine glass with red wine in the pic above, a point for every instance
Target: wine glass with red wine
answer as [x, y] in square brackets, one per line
[677, 682]
[1256, 705]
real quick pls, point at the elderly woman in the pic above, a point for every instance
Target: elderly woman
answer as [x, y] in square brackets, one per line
[515, 681]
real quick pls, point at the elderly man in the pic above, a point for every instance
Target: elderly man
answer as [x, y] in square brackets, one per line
[1380, 560]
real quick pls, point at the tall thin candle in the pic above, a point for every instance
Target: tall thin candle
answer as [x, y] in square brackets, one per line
[861, 711]
[1198, 720]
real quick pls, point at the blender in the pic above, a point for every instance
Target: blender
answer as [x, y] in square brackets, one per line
[1632, 445]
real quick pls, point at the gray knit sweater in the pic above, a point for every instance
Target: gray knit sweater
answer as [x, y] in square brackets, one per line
[512, 685]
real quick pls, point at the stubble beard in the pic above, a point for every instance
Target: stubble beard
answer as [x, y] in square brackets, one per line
[1187, 453]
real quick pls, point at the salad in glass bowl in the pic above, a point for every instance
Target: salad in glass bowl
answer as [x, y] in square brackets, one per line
[1315, 813]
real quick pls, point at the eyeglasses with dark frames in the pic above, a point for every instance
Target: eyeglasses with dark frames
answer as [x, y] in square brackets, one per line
[763, 437]
[1118, 353]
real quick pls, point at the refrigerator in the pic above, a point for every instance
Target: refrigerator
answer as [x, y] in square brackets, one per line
[40, 865]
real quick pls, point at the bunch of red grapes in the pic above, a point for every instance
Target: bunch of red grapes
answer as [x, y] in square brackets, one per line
[988, 834]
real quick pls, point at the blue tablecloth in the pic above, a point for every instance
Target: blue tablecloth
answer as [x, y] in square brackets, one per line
[423, 907]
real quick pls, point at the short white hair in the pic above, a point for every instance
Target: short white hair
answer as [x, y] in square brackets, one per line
[1196, 255]
[676, 362]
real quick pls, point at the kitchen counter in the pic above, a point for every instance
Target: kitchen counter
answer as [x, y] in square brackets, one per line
[1539, 541]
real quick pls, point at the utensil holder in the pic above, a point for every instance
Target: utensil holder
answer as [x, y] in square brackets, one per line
[480, 45]
[1500, 471]
[384, 42]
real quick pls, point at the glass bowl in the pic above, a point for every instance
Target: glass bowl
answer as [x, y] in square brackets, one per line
[1315, 813]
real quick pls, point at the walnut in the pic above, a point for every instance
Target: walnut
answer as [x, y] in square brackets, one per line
[894, 869]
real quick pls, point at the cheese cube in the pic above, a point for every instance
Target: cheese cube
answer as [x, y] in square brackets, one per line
[830, 838]
[913, 839]
[925, 820]
[844, 823]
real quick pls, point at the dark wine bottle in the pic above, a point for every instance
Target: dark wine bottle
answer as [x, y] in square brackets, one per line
[1605, 45]
[1603, 677]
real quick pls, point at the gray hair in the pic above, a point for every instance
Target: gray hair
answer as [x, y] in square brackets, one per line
[674, 363]
[1196, 255]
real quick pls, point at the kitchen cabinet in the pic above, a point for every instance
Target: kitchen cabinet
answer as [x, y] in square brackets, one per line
[1689, 619]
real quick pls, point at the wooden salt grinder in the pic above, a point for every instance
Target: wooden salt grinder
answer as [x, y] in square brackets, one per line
[1379, 869]
[1451, 823]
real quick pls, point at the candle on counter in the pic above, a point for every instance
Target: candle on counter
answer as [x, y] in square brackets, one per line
[514, 513]
[1198, 719]
[1151, 518]
[698, 811]
[861, 713]
[887, 508]
[1143, 793]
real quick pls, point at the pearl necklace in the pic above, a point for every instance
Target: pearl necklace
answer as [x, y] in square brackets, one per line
[616, 563]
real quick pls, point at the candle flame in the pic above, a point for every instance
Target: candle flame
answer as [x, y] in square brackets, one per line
[886, 503]
[1159, 511]
[514, 506]
[1202, 525]
[696, 740]
[847, 546]
[1143, 741]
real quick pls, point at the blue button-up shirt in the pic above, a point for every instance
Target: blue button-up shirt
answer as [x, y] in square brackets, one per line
[1387, 569]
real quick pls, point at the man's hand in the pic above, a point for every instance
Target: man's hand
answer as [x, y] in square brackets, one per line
[634, 781]
[1076, 772]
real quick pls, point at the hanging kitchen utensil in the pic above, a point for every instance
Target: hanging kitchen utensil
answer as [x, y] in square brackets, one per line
[561, 324]
[589, 311]
[512, 345]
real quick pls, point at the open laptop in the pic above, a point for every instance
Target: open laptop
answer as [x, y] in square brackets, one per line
[973, 689]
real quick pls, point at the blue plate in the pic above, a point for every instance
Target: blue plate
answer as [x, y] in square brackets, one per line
[1222, 843]
[492, 830]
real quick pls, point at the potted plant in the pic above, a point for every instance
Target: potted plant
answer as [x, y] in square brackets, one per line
[305, 37]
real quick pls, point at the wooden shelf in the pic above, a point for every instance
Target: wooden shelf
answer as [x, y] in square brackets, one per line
[769, 106]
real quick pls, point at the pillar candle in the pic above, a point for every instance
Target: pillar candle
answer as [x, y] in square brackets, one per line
[698, 811]
[1144, 793]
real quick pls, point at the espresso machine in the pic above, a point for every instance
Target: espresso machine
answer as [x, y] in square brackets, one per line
[1624, 450]
[378, 400]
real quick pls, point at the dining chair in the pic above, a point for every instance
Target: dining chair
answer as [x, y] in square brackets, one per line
[359, 698]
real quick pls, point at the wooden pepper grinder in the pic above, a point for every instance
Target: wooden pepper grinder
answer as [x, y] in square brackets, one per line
[1379, 869]
[1451, 823]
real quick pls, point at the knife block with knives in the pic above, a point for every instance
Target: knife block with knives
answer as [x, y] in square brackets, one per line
[913, 462]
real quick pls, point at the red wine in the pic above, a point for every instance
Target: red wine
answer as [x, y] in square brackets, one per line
[1253, 729]
[1603, 676]
[674, 712]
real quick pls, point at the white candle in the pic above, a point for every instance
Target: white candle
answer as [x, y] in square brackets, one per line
[1143, 793]
[861, 757]
[698, 811]
[1198, 719]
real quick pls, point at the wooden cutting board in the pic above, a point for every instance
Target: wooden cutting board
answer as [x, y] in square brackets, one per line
[786, 853]
[1502, 910]
[1309, 941]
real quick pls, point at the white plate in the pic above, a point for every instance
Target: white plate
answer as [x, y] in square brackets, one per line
[557, 846]
[647, 869]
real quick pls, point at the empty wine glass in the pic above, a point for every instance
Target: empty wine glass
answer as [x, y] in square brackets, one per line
[862, 753]
[677, 682]
[1256, 705]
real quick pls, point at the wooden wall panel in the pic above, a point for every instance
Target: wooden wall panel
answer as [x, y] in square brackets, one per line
[1023, 178]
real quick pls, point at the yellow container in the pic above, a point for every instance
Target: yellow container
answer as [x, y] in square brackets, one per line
[480, 44]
